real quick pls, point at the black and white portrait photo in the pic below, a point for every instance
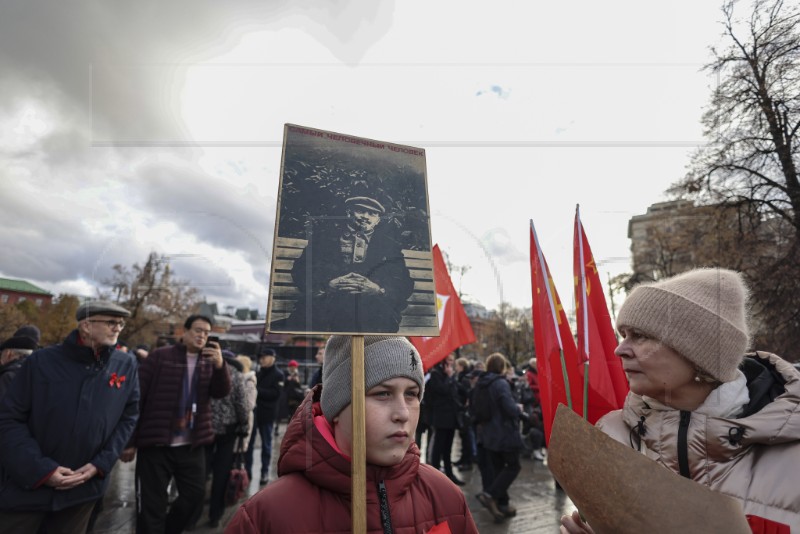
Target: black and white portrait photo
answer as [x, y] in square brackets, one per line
[352, 249]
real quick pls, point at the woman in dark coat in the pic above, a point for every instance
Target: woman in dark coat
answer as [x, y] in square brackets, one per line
[441, 397]
[501, 437]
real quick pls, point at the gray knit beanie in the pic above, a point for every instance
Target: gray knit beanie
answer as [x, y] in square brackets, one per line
[384, 358]
[701, 314]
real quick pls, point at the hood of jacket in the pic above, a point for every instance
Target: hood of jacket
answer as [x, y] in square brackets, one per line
[306, 451]
[486, 379]
[314, 476]
[770, 418]
[82, 353]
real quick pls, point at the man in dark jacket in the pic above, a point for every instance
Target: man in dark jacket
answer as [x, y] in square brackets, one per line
[269, 385]
[177, 384]
[63, 423]
[316, 378]
[352, 275]
[441, 396]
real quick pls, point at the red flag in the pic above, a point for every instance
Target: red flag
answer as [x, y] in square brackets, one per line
[556, 355]
[607, 386]
[455, 329]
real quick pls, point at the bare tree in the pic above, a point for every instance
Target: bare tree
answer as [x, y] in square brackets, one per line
[152, 294]
[454, 269]
[58, 319]
[11, 318]
[747, 171]
[512, 333]
[753, 119]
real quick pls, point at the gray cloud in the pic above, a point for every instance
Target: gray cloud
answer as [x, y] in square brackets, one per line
[115, 61]
[225, 218]
[499, 246]
[67, 204]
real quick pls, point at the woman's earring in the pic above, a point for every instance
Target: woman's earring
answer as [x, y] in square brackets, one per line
[697, 378]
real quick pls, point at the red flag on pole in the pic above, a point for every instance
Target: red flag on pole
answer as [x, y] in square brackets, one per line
[455, 329]
[556, 355]
[605, 385]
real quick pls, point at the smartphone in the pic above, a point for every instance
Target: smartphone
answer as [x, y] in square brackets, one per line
[215, 339]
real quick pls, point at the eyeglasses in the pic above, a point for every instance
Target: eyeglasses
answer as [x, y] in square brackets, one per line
[108, 322]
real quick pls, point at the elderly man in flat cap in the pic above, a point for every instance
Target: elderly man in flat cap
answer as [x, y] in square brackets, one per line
[352, 275]
[65, 419]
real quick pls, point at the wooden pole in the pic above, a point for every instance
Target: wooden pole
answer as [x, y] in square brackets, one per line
[359, 452]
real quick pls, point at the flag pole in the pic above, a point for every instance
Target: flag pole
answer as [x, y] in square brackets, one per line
[584, 311]
[553, 314]
[359, 446]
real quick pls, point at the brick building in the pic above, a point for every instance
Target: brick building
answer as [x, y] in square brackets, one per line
[16, 291]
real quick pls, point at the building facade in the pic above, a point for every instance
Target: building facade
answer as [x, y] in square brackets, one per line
[16, 291]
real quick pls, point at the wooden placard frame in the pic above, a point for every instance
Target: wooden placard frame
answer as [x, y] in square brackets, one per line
[359, 452]
[323, 174]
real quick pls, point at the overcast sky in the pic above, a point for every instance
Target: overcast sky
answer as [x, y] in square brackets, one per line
[157, 126]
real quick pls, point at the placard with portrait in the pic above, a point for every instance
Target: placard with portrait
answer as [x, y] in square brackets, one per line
[352, 247]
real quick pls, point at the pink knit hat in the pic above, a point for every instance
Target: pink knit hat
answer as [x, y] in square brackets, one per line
[701, 314]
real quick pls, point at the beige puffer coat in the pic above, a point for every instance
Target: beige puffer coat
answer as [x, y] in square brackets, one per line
[754, 458]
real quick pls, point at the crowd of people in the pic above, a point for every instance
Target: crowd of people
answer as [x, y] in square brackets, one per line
[699, 405]
[182, 411]
[512, 428]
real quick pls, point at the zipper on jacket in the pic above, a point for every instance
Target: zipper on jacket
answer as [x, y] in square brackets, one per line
[386, 517]
[683, 446]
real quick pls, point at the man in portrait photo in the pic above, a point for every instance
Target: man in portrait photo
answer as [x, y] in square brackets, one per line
[351, 276]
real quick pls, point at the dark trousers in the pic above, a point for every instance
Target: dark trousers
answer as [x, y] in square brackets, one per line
[442, 445]
[67, 521]
[506, 468]
[467, 435]
[221, 468]
[485, 467]
[265, 431]
[154, 468]
[423, 429]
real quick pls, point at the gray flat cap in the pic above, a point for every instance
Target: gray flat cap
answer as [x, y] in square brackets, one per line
[100, 307]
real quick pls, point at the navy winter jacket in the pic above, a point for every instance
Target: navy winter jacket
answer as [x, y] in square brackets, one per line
[270, 384]
[66, 407]
[441, 397]
[501, 433]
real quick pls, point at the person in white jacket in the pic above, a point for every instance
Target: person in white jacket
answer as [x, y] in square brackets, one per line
[250, 395]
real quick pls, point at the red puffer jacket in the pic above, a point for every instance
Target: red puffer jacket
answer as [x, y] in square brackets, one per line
[313, 492]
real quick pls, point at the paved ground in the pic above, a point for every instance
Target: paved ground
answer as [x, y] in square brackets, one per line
[539, 503]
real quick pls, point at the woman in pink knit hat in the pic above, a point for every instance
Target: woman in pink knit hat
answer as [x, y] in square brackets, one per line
[703, 407]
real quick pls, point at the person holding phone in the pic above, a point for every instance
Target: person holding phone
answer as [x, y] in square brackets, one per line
[177, 384]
